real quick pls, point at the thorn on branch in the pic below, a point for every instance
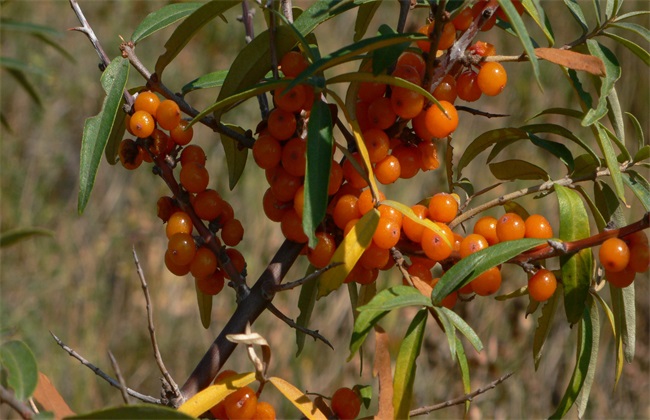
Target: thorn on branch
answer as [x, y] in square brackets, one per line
[290, 322]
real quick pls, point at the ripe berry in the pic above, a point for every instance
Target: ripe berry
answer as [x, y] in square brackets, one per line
[291, 226]
[377, 143]
[273, 208]
[510, 227]
[406, 103]
[438, 124]
[179, 222]
[381, 114]
[142, 124]
[486, 226]
[537, 226]
[361, 275]
[161, 143]
[369, 91]
[176, 269]
[346, 209]
[321, 254]
[390, 213]
[463, 20]
[293, 63]
[267, 151]
[346, 403]
[211, 284]
[446, 89]
[181, 134]
[386, 234]
[335, 178]
[443, 208]
[147, 101]
[434, 245]
[412, 59]
[429, 155]
[639, 253]
[168, 114]
[410, 160]
[204, 263]
[414, 230]
[232, 232]
[366, 201]
[281, 124]
[284, 185]
[291, 100]
[351, 174]
[542, 285]
[421, 271]
[387, 170]
[466, 86]
[194, 177]
[237, 260]
[193, 153]
[208, 204]
[374, 257]
[182, 248]
[294, 158]
[241, 404]
[129, 153]
[477, 9]
[264, 411]
[492, 78]
[165, 207]
[484, 49]
[621, 278]
[518, 6]
[487, 283]
[614, 255]
[471, 244]
[447, 37]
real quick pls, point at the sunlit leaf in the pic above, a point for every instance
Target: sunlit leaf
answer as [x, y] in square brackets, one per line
[613, 73]
[639, 186]
[573, 60]
[236, 156]
[210, 80]
[560, 131]
[17, 359]
[297, 398]
[616, 118]
[485, 140]
[162, 18]
[577, 13]
[364, 17]
[463, 327]
[580, 90]
[642, 154]
[448, 329]
[611, 160]
[557, 149]
[544, 324]
[405, 365]
[522, 33]
[583, 396]
[535, 10]
[635, 48]
[634, 27]
[512, 169]
[98, 129]
[624, 309]
[638, 130]
[463, 365]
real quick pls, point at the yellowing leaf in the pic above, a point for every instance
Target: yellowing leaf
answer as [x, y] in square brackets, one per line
[572, 60]
[408, 212]
[205, 306]
[348, 253]
[206, 399]
[297, 398]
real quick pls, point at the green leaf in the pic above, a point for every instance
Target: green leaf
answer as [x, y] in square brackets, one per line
[583, 396]
[135, 411]
[577, 13]
[522, 33]
[405, 365]
[162, 18]
[210, 80]
[235, 156]
[638, 130]
[117, 134]
[470, 267]
[486, 140]
[642, 154]
[610, 160]
[557, 149]
[624, 309]
[408, 212]
[28, 27]
[635, 48]
[383, 58]
[319, 162]
[639, 186]
[631, 14]
[463, 327]
[585, 165]
[364, 16]
[588, 336]
[608, 205]
[573, 113]
[613, 73]
[205, 306]
[560, 131]
[616, 117]
[306, 303]
[385, 301]
[22, 80]
[449, 330]
[463, 365]
[512, 169]
[634, 27]
[22, 373]
[537, 13]
[576, 268]
[188, 28]
[544, 324]
[601, 224]
[98, 129]
[577, 85]
[12, 236]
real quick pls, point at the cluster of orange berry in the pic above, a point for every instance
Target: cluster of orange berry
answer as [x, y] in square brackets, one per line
[241, 404]
[623, 257]
[184, 254]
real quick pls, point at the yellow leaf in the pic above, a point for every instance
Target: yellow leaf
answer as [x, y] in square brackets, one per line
[209, 397]
[348, 253]
[408, 212]
[297, 398]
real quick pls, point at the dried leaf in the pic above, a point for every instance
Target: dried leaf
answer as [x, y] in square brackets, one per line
[572, 60]
[382, 369]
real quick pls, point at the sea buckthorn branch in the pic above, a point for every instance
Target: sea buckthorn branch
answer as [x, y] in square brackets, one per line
[247, 20]
[9, 398]
[247, 311]
[480, 113]
[120, 378]
[102, 374]
[440, 18]
[175, 393]
[290, 322]
[548, 185]
[460, 400]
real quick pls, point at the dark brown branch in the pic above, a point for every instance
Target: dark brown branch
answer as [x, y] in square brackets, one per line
[19, 407]
[290, 322]
[102, 374]
[247, 20]
[300, 282]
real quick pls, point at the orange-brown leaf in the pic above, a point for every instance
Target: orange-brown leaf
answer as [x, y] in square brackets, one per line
[381, 369]
[48, 397]
[572, 60]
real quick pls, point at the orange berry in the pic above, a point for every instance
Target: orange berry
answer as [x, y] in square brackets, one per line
[387, 170]
[414, 230]
[147, 101]
[284, 185]
[466, 86]
[321, 254]
[374, 257]
[425, 46]
[267, 151]
[361, 275]
[232, 232]
[273, 208]
[377, 143]
[537, 226]
[161, 143]
[369, 91]
[165, 207]
[381, 114]
[129, 153]
[291, 226]
[438, 124]
[293, 63]
[486, 226]
[621, 278]
[346, 209]
[448, 301]
[194, 177]
[484, 49]
[487, 283]
[181, 134]
[510, 227]
[182, 248]
[614, 255]
[179, 222]
[463, 20]
[346, 403]
[542, 285]
[518, 6]
[335, 178]
[434, 245]
[446, 89]
[386, 234]
[492, 78]
[193, 153]
[299, 200]
[227, 213]
[420, 127]
[639, 253]
[204, 263]
[477, 9]
[142, 124]
[264, 411]
[390, 213]
[471, 244]
[294, 158]
[168, 114]
[176, 269]
[208, 204]
[281, 124]
[412, 59]
[366, 201]
[410, 160]
[406, 103]
[443, 208]
[350, 173]
[447, 37]
[237, 260]
[361, 111]
[421, 271]
[241, 404]
[291, 100]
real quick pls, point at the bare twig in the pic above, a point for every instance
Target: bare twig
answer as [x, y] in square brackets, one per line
[102, 374]
[290, 322]
[247, 20]
[404, 8]
[120, 378]
[474, 111]
[152, 331]
[459, 400]
[311, 276]
[272, 30]
[286, 6]
[20, 407]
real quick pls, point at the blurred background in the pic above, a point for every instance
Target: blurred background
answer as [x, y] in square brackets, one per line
[81, 283]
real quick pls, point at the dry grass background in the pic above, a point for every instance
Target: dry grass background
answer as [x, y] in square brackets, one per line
[81, 283]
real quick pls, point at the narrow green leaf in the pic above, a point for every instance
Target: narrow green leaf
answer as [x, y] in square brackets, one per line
[463, 327]
[544, 324]
[306, 303]
[210, 80]
[639, 186]
[577, 13]
[585, 164]
[596, 4]
[613, 73]
[587, 339]
[522, 33]
[638, 130]
[236, 156]
[557, 149]
[448, 329]
[135, 411]
[616, 115]
[28, 27]
[22, 372]
[635, 48]
[607, 310]
[98, 129]
[406, 211]
[624, 309]
[634, 27]
[12, 236]
[610, 160]
[609, 205]
[383, 58]
[616, 296]
[364, 16]
[22, 80]
[405, 365]
[205, 306]
[394, 298]
[631, 15]
[573, 113]
[576, 268]
[512, 169]
[535, 10]
[583, 396]
[470, 267]
[319, 162]
[577, 85]
[162, 18]
[463, 365]
[486, 140]
[642, 154]
[188, 28]
[560, 131]
[598, 217]
[116, 137]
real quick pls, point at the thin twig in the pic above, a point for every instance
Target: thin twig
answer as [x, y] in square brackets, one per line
[152, 329]
[286, 7]
[290, 322]
[474, 111]
[404, 8]
[309, 277]
[459, 400]
[10, 399]
[120, 378]
[247, 20]
[272, 49]
[101, 374]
